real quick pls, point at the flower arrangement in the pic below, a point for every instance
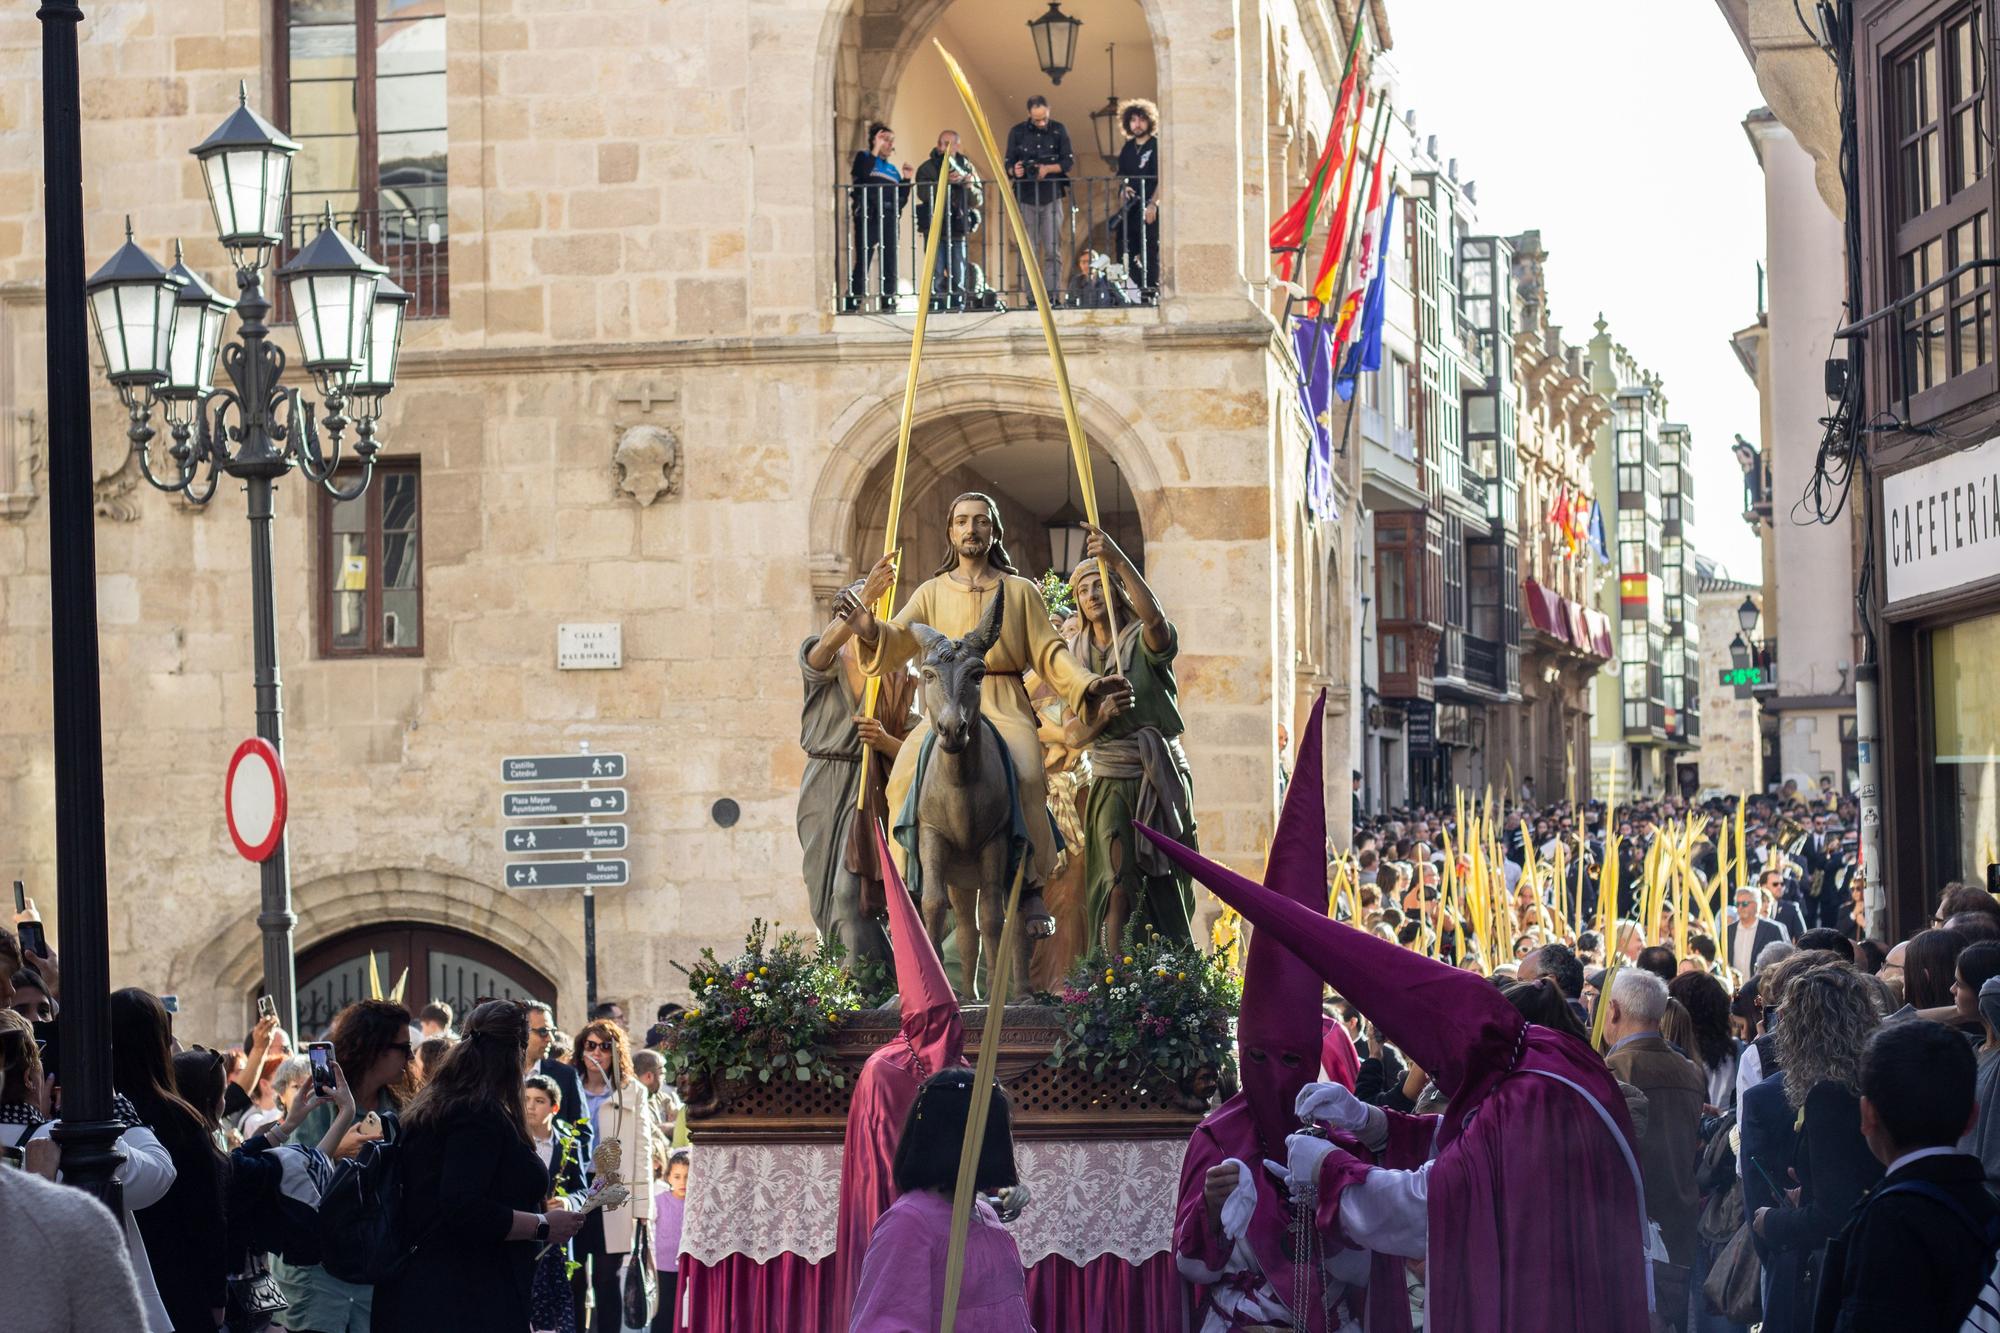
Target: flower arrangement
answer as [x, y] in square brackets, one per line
[770, 1013]
[1156, 1007]
[1057, 598]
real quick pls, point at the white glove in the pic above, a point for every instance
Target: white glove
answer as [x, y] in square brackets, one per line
[1304, 1154]
[1333, 1104]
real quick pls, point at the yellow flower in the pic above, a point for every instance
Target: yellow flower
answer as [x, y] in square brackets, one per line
[1127, 960]
[1107, 975]
[1181, 976]
[694, 1013]
[762, 971]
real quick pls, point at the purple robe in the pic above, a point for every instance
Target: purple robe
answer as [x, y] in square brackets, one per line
[902, 1280]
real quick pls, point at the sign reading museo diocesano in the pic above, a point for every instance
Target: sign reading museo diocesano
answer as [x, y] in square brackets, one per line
[1942, 522]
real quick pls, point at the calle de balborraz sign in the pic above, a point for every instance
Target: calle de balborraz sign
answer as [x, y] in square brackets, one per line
[1941, 522]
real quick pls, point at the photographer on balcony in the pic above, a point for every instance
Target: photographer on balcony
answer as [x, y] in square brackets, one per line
[876, 194]
[963, 198]
[1137, 226]
[1039, 159]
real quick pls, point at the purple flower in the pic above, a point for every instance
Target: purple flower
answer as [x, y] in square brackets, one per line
[740, 982]
[742, 1019]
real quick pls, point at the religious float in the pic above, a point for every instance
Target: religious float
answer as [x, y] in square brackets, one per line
[1106, 1078]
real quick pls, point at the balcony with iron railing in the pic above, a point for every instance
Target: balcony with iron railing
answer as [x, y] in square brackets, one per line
[412, 243]
[1104, 255]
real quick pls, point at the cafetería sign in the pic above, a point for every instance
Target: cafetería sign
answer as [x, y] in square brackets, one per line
[1942, 523]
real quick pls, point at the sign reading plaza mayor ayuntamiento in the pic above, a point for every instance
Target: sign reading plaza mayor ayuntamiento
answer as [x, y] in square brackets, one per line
[1941, 523]
[550, 804]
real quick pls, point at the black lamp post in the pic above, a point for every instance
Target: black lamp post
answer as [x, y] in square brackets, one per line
[87, 1132]
[159, 331]
[1055, 41]
[1104, 120]
[1747, 616]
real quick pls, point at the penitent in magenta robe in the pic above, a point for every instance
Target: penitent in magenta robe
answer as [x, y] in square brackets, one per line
[932, 1038]
[1533, 1206]
[902, 1280]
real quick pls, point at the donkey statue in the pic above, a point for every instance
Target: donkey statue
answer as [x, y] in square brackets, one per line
[965, 801]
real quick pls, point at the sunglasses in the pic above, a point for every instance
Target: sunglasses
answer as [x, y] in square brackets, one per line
[594, 1045]
[538, 1032]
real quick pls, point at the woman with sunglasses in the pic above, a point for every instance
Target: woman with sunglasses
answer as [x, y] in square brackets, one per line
[621, 1112]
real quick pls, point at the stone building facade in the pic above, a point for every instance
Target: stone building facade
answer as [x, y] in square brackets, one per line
[633, 401]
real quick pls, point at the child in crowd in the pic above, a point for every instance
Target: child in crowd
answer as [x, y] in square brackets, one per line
[669, 1207]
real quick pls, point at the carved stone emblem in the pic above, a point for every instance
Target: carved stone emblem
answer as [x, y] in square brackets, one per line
[648, 459]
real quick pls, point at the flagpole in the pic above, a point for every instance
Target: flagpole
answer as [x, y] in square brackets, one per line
[1340, 272]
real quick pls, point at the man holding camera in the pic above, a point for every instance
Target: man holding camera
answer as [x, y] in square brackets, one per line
[963, 197]
[1039, 159]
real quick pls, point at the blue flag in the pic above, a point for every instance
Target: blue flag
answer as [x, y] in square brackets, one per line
[1314, 349]
[1366, 353]
[1597, 543]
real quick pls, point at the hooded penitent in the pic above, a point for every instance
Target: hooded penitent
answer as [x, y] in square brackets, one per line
[932, 1037]
[1533, 1205]
[1278, 1042]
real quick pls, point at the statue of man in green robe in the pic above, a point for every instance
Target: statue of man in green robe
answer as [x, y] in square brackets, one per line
[1138, 768]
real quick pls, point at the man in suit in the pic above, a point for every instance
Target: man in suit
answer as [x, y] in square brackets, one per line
[1917, 1248]
[572, 1111]
[1750, 932]
[1671, 1143]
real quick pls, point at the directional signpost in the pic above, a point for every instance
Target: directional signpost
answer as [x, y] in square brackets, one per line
[567, 838]
[567, 855]
[565, 874]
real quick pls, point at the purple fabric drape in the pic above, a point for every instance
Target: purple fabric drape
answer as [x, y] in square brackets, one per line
[789, 1295]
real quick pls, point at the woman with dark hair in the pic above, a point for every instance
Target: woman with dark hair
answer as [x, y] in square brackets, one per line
[473, 1189]
[24, 1098]
[1824, 1020]
[371, 1043]
[201, 1076]
[1707, 1005]
[1930, 961]
[902, 1277]
[621, 1112]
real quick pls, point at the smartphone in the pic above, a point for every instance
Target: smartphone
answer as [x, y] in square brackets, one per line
[20, 897]
[34, 939]
[266, 1007]
[171, 1003]
[320, 1053]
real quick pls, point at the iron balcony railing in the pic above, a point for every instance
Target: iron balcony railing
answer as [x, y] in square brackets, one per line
[412, 243]
[1095, 247]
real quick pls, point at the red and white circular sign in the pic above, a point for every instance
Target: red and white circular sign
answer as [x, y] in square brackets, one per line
[254, 798]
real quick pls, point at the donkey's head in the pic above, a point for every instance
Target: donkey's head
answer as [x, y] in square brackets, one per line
[952, 671]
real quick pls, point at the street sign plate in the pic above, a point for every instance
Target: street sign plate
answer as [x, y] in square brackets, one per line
[565, 838]
[563, 768]
[546, 804]
[566, 874]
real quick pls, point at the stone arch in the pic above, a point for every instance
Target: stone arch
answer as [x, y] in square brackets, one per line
[864, 47]
[335, 904]
[865, 433]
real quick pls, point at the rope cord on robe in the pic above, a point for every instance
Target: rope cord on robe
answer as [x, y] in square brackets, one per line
[1079, 447]
[871, 692]
[982, 1100]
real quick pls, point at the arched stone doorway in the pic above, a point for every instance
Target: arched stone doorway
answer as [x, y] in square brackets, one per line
[430, 963]
[1023, 462]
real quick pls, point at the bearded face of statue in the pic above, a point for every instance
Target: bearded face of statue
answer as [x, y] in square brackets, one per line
[971, 529]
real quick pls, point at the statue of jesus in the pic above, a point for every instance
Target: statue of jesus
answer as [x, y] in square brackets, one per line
[951, 602]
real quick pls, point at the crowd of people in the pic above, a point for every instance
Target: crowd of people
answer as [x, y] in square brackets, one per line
[241, 1171]
[1038, 165]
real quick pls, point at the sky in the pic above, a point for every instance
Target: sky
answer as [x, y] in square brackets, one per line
[1616, 127]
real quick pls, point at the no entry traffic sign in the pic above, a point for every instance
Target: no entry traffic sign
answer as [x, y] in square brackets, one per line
[254, 799]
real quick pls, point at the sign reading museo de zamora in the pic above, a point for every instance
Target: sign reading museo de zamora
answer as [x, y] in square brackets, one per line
[1942, 523]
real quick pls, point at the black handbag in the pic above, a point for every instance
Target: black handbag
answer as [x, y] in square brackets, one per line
[252, 1299]
[642, 1282]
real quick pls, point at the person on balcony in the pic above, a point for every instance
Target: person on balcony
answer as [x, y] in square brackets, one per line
[1136, 229]
[877, 191]
[962, 201]
[1039, 159]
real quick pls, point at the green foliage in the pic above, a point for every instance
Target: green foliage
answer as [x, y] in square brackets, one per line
[1057, 596]
[770, 1012]
[1157, 1007]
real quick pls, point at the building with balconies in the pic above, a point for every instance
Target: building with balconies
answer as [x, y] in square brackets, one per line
[1648, 709]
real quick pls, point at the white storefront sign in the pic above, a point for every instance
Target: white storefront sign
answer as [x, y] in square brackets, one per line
[1942, 523]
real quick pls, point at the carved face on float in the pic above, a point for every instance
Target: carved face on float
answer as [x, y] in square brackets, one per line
[972, 528]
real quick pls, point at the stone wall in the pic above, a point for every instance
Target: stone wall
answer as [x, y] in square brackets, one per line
[650, 254]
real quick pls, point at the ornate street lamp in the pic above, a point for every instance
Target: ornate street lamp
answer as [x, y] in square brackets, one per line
[1747, 616]
[160, 333]
[1104, 120]
[1055, 41]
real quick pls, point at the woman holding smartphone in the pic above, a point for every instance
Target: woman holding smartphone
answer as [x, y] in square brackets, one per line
[620, 1112]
